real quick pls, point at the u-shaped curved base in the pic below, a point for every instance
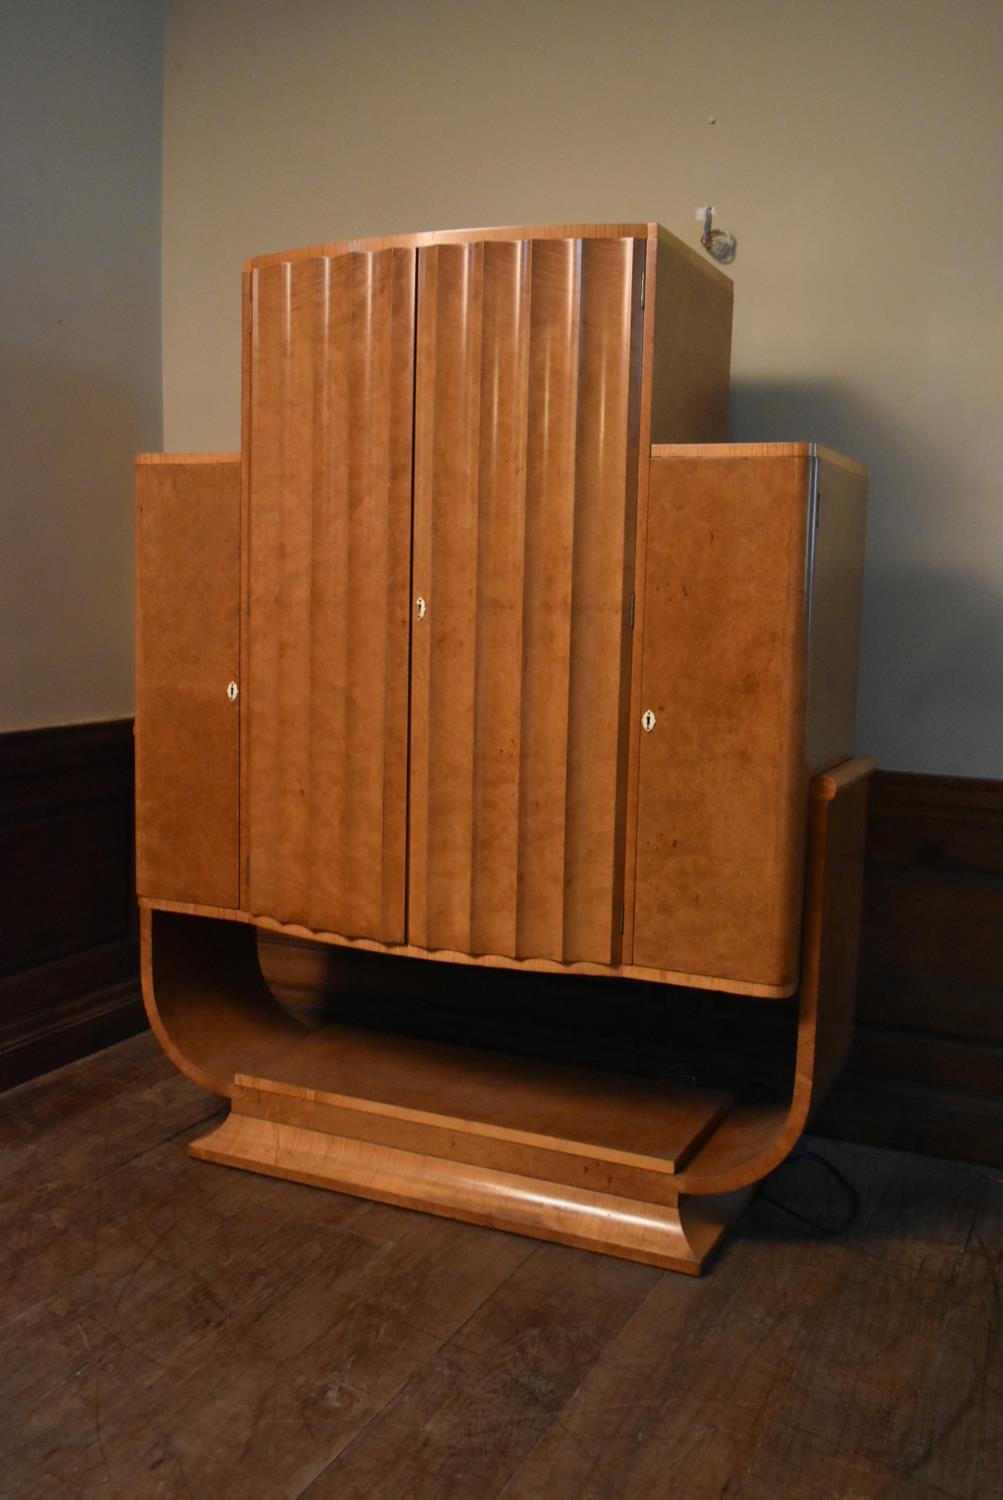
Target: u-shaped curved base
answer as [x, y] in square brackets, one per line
[619, 1165]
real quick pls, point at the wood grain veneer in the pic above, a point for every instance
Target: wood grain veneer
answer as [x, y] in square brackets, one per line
[556, 1152]
[187, 652]
[426, 238]
[328, 521]
[676, 977]
[541, 368]
[526, 449]
[751, 620]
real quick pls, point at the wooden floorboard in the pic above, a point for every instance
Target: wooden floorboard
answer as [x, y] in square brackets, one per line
[172, 1329]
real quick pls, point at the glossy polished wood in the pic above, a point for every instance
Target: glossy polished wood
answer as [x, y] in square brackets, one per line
[750, 645]
[677, 1238]
[560, 1153]
[528, 370]
[329, 411]
[541, 365]
[485, 960]
[186, 654]
[753, 1141]
[721, 783]
[427, 238]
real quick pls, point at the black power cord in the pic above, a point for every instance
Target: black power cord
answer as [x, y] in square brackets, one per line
[812, 1226]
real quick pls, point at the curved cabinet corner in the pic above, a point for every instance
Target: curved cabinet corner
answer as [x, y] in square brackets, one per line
[207, 1002]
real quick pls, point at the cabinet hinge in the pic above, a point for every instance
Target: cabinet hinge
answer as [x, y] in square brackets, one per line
[644, 278]
[630, 611]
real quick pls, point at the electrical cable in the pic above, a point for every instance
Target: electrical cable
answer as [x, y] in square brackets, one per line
[812, 1226]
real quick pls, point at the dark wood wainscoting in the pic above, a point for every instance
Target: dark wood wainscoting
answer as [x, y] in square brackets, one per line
[926, 1069]
[69, 980]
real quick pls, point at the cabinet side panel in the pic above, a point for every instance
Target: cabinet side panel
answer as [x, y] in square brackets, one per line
[722, 782]
[528, 368]
[329, 506]
[187, 652]
[692, 353]
[837, 591]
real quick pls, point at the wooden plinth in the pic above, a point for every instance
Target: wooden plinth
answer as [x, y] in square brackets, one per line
[679, 1236]
[645, 1171]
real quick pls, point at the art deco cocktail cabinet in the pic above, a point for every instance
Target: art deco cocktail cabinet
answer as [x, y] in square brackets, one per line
[487, 648]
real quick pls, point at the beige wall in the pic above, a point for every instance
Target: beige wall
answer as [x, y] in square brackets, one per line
[80, 137]
[855, 154]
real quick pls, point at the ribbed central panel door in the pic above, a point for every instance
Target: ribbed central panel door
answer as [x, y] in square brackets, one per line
[527, 384]
[325, 693]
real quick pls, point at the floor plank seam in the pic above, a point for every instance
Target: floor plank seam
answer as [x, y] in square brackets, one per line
[416, 1375]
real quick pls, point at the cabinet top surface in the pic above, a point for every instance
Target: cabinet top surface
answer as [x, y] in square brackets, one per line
[755, 450]
[431, 237]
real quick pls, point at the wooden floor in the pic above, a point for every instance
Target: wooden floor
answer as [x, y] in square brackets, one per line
[173, 1329]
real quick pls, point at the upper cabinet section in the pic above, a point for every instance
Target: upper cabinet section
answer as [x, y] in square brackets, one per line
[687, 322]
[528, 386]
[445, 444]
[328, 447]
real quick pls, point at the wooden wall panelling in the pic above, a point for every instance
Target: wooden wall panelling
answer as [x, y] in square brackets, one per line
[933, 907]
[926, 1069]
[329, 431]
[526, 421]
[187, 654]
[68, 950]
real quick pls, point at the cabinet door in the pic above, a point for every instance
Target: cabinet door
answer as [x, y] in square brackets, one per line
[329, 427]
[187, 573]
[528, 369]
[722, 785]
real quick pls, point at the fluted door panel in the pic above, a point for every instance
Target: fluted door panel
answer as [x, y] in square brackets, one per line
[528, 362]
[329, 414]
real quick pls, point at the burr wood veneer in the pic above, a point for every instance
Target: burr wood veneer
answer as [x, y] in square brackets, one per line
[453, 662]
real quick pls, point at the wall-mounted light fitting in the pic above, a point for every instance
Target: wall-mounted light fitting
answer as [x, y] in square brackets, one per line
[717, 242]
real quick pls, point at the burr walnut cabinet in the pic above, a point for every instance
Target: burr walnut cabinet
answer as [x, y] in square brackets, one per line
[487, 648]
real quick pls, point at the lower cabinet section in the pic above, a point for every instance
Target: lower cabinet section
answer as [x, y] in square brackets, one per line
[649, 1171]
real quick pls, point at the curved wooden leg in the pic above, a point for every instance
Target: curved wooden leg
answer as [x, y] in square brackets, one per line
[208, 1005]
[752, 1142]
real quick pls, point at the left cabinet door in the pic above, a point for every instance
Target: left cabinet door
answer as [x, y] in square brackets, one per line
[187, 723]
[328, 440]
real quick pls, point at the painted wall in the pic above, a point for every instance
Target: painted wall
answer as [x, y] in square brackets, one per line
[853, 148]
[80, 390]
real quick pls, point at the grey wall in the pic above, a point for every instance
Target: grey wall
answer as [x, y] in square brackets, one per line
[855, 153]
[80, 385]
